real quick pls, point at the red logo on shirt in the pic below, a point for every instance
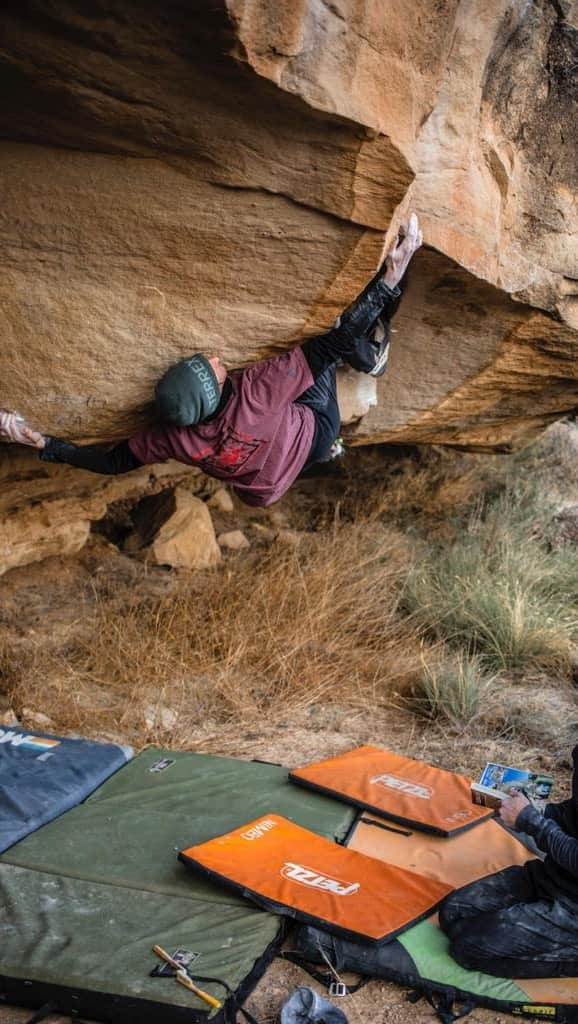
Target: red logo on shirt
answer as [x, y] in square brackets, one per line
[234, 453]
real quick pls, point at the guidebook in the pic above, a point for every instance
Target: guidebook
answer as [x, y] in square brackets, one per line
[498, 781]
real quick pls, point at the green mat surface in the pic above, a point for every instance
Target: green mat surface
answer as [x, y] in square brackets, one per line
[86, 896]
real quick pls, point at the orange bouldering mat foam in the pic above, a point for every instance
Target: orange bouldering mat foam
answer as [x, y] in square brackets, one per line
[396, 787]
[455, 862]
[420, 958]
[288, 870]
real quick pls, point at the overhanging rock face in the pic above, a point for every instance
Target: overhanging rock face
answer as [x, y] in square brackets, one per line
[216, 175]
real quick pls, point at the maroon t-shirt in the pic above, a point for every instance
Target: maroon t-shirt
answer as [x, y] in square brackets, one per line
[259, 443]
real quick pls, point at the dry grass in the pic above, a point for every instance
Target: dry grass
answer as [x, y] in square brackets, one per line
[265, 636]
[440, 574]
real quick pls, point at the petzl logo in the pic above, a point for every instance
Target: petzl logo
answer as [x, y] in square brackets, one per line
[258, 830]
[403, 786]
[313, 880]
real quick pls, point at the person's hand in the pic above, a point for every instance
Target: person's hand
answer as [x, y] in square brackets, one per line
[14, 428]
[397, 260]
[511, 807]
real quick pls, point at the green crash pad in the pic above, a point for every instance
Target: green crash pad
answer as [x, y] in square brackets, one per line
[86, 896]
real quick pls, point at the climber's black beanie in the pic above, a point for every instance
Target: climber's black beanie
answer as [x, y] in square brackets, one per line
[188, 392]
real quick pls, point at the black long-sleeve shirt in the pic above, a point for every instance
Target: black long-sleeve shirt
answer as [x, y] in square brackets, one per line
[347, 339]
[556, 833]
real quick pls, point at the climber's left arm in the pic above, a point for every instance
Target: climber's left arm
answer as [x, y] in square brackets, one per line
[94, 457]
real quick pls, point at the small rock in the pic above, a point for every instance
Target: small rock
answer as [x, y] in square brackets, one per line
[278, 518]
[9, 717]
[235, 540]
[158, 716]
[263, 532]
[221, 501]
[37, 719]
[290, 538]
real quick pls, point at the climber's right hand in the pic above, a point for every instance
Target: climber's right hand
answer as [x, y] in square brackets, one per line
[14, 428]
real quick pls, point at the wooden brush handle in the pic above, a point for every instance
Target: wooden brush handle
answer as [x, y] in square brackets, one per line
[183, 979]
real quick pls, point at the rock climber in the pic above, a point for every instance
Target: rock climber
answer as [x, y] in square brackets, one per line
[522, 922]
[258, 428]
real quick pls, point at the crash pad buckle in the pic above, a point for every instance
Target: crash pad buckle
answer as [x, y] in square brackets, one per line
[414, 996]
[338, 989]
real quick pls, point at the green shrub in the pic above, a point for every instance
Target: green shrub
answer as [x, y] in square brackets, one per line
[455, 689]
[498, 587]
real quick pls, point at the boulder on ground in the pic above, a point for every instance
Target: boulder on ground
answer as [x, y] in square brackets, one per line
[175, 528]
[160, 717]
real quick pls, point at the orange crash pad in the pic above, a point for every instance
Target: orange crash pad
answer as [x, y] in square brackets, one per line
[396, 787]
[288, 870]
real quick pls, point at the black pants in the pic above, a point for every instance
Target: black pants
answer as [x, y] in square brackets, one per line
[502, 926]
[321, 397]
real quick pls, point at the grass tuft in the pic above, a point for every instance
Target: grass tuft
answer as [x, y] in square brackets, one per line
[496, 587]
[456, 689]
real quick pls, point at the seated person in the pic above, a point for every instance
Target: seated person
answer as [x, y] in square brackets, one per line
[522, 922]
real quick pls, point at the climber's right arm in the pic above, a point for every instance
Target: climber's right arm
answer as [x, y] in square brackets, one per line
[379, 299]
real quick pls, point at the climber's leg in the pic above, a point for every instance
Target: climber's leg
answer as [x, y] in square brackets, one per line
[321, 398]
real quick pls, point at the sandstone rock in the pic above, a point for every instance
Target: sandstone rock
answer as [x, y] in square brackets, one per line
[175, 528]
[234, 200]
[234, 540]
[8, 717]
[221, 500]
[277, 518]
[47, 510]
